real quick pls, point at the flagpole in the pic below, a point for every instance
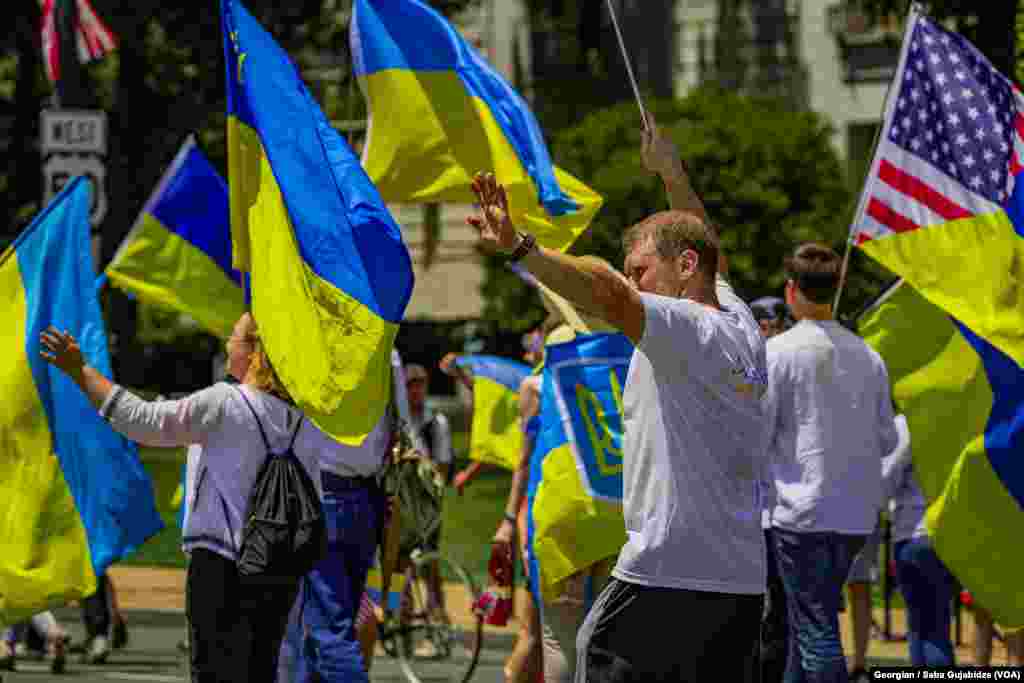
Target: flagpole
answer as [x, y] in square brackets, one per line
[913, 7]
[629, 65]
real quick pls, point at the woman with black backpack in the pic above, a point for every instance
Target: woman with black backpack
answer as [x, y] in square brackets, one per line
[237, 598]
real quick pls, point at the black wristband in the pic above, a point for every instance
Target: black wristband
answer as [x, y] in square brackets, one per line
[524, 248]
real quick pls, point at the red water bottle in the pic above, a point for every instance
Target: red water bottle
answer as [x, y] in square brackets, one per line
[495, 603]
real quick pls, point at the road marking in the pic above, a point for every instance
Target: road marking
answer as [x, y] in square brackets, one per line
[156, 678]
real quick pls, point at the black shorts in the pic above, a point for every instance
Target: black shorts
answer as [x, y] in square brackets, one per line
[641, 633]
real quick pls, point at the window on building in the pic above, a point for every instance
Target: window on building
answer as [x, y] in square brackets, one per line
[869, 46]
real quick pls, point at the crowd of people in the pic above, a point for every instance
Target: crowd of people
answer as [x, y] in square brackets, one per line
[760, 446]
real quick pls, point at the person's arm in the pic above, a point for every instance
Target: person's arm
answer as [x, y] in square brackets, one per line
[529, 405]
[467, 475]
[449, 367]
[163, 424]
[61, 350]
[588, 283]
[895, 465]
[660, 156]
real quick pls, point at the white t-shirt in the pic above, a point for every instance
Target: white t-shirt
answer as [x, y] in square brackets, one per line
[907, 504]
[694, 448]
[831, 422]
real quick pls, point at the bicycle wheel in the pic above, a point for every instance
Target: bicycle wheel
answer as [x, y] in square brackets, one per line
[439, 639]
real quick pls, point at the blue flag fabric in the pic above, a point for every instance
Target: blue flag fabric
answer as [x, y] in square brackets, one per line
[575, 488]
[76, 497]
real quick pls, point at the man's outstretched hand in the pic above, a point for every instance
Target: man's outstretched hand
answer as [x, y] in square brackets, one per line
[493, 221]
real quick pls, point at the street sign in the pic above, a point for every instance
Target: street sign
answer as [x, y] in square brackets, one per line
[59, 169]
[73, 142]
[74, 130]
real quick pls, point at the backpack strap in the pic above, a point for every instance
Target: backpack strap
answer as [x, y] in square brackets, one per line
[295, 434]
[263, 434]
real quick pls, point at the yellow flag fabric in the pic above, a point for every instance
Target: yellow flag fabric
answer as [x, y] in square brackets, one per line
[941, 384]
[439, 113]
[330, 276]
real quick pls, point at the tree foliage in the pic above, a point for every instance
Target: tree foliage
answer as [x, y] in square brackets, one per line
[769, 177]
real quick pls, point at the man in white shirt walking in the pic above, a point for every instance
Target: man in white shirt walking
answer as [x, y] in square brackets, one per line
[831, 423]
[693, 450]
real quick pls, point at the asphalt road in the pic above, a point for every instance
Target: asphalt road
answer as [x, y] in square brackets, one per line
[151, 656]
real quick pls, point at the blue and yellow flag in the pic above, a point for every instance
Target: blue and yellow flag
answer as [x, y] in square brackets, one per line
[439, 113]
[943, 208]
[952, 387]
[375, 588]
[75, 496]
[330, 275]
[178, 254]
[496, 435]
[575, 490]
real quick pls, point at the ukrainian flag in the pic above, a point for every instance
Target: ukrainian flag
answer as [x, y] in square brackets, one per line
[330, 275]
[439, 113]
[496, 435]
[178, 254]
[943, 208]
[951, 386]
[575, 489]
[75, 496]
[375, 588]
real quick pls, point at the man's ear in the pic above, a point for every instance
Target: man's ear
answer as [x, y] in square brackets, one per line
[689, 261]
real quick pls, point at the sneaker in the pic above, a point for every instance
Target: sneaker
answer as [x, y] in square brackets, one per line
[99, 650]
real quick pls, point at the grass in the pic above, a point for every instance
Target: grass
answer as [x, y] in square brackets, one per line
[469, 520]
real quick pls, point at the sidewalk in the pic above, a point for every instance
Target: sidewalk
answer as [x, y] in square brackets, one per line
[151, 591]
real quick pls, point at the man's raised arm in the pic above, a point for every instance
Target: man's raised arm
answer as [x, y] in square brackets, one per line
[660, 156]
[588, 283]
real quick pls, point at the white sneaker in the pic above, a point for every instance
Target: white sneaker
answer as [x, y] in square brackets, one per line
[99, 650]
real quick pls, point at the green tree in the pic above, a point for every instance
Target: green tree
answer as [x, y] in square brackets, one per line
[769, 176]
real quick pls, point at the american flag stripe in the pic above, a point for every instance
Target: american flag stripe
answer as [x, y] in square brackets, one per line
[94, 39]
[917, 189]
[889, 217]
[952, 138]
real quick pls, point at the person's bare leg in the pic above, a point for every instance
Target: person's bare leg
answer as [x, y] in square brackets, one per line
[983, 632]
[524, 664]
[1015, 648]
[367, 635]
[860, 623]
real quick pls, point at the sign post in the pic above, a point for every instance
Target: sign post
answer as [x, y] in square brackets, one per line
[73, 142]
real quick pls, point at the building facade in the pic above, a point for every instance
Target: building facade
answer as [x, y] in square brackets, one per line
[828, 56]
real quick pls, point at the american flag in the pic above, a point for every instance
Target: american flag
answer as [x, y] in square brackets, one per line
[94, 39]
[951, 144]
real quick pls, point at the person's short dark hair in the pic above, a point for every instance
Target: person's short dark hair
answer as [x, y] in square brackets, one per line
[674, 232]
[814, 268]
[769, 308]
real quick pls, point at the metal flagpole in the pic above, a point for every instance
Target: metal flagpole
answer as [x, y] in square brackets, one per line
[629, 65]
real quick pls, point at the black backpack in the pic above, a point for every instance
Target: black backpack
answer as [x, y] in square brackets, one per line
[283, 532]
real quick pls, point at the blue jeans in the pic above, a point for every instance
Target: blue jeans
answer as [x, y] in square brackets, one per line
[321, 642]
[814, 566]
[775, 624]
[927, 587]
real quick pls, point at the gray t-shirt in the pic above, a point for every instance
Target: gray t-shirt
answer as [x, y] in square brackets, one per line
[694, 448]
